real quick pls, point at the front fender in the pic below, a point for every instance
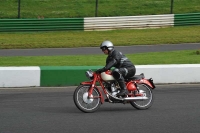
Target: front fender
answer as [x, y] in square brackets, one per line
[86, 83]
[90, 83]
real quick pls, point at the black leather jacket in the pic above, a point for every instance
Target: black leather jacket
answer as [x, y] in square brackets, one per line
[118, 60]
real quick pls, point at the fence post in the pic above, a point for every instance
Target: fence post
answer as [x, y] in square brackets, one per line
[19, 8]
[172, 3]
[96, 9]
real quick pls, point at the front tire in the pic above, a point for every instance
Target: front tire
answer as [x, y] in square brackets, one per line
[144, 104]
[83, 103]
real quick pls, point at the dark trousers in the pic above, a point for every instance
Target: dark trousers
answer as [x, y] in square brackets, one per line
[122, 73]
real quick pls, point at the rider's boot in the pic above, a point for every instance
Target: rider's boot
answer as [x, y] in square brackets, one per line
[123, 90]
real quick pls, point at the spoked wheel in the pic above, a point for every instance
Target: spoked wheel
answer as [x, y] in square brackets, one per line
[147, 92]
[84, 103]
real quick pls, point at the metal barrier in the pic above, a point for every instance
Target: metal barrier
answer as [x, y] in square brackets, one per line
[128, 22]
[187, 19]
[12, 25]
[99, 23]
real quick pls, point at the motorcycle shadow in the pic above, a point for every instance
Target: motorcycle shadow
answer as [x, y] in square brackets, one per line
[116, 108]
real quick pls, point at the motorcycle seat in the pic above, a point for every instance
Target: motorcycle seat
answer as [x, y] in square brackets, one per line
[136, 77]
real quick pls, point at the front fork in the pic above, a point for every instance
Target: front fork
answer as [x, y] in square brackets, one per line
[92, 86]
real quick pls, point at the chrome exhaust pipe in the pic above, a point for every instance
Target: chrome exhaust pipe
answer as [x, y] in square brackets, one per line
[135, 98]
[128, 98]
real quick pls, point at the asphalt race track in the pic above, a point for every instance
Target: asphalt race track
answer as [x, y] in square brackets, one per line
[176, 109]
[96, 50]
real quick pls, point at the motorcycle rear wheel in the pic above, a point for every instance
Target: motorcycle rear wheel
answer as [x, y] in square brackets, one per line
[144, 104]
[83, 103]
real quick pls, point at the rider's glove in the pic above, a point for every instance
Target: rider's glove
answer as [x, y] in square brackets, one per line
[100, 70]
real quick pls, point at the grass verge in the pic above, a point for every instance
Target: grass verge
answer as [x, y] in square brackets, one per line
[86, 8]
[175, 57]
[64, 39]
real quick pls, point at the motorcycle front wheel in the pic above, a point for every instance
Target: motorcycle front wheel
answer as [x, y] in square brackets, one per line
[85, 104]
[146, 91]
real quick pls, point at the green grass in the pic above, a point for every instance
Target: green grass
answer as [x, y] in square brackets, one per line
[86, 8]
[175, 57]
[61, 39]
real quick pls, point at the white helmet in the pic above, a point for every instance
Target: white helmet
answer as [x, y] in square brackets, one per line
[107, 45]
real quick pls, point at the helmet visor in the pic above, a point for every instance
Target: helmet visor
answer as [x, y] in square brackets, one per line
[103, 48]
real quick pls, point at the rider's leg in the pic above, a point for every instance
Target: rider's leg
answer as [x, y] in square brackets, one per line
[118, 75]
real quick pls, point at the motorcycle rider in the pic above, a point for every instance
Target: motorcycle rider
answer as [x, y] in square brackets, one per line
[123, 67]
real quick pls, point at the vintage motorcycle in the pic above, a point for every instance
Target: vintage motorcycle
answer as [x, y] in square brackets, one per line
[88, 97]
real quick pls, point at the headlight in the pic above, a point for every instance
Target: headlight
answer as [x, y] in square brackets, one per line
[89, 74]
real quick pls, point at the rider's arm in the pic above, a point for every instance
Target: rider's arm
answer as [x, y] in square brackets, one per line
[110, 64]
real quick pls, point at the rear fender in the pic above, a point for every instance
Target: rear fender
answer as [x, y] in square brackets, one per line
[148, 82]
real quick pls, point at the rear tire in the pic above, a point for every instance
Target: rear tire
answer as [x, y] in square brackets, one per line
[144, 104]
[83, 103]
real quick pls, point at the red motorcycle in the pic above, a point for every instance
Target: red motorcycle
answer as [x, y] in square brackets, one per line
[88, 96]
